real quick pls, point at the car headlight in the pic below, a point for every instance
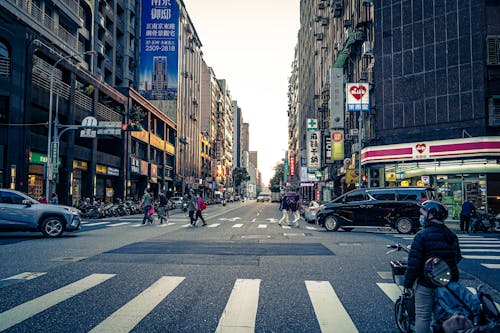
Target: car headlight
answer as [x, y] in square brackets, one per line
[72, 210]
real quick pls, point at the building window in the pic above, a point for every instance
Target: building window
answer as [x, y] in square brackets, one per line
[4, 59]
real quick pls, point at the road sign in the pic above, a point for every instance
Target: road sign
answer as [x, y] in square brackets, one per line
[110, 127]
[54, 156]
[88, 133]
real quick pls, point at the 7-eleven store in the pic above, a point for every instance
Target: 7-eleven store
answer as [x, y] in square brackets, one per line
[458, 169]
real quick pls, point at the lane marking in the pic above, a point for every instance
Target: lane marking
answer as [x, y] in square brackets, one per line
[262, 226]
[391, 290]
[26, 310]
[480, 250]
[385, 275]
[482, 257]
[118, 224]
[25, 276]
[491, 266]
[253, 220]
[331, 314]
[479, 245]
[213, 225]
[129, 315]
[238, 225]
[93, 224]
[241, 308]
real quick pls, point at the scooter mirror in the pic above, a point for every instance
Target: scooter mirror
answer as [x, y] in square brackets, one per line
[437, 272]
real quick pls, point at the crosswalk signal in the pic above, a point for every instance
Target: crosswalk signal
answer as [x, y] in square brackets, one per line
[132, 127]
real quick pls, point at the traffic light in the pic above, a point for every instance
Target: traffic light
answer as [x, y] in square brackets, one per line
[131, 127]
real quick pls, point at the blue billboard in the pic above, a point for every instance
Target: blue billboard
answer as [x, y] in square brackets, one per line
[159, 57]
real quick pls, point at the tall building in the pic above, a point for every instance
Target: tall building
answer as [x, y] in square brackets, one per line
[237, 131]
[159, 83]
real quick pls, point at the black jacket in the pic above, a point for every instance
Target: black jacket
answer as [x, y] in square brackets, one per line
[435, 240]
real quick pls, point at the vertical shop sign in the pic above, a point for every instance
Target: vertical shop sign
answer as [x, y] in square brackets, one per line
[292, 162]
[358, 97]
[337, 98]
[313, 150]
[328, 148]
[338, 145]
[159, 50]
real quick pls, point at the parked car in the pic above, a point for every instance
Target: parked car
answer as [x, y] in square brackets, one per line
[310, 210]
[20, 212]
[395, 207]
[264, 197]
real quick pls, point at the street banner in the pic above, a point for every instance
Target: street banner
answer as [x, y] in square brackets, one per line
[291, 157]
[358, 97]
[313, 150]
[337, 98]
[328, 148]
[338, 145]
[158, 69]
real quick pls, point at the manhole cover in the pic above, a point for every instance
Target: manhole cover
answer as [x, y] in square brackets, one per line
[69, 259]
[255, 236]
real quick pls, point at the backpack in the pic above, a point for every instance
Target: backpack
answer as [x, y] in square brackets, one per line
[292, 204]
[203, 205]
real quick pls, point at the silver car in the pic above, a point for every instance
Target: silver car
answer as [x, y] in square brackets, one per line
[20, 212]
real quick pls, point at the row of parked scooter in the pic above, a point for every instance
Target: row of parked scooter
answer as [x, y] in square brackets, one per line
[99, 209]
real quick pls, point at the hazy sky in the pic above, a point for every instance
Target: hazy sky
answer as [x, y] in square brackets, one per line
[251, 45]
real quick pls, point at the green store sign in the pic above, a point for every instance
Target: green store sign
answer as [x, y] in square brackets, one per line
[38, 158]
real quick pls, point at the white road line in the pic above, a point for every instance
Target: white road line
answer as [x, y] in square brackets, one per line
[479, 250]
[262, 226]
[93, 224]
[129, 315]
[171, 223]
[482, 257]
[238, 225]
[118, 224]
[25, 276]
[479, 245]
[286, 227]
[213, 225]
[313, 228]
[385, 275]
[331, 314]
[26, 310]
[391, 290]
[241, 308]
[187, 225]
[491, 266]
[253, 220]
[479, 242]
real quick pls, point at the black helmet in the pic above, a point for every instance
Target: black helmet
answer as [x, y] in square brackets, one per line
[436, 209]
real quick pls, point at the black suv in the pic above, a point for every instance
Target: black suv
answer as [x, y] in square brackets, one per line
[394, 207]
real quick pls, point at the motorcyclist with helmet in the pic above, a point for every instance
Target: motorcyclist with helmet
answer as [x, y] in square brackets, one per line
[434, 240]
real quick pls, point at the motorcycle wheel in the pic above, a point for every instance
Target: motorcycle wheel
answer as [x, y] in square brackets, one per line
[402, 317]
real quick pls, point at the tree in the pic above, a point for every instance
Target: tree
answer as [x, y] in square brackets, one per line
[240, 175]
[277, 179]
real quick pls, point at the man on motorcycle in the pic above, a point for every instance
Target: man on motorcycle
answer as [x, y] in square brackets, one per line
[434, 240]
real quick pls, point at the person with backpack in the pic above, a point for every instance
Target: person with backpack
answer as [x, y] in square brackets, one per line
[191, 208]
[200, 205]
[284, 209]
[162, 207]
[294, 206]
[147, 203]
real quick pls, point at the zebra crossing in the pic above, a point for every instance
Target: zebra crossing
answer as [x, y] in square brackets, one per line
[239, 315]
[486, 249]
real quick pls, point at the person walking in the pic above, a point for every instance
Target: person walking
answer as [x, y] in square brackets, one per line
[294, 206]
[147, 203]
[435, 240]
[468, 210]
[284, 209]
[54, 199]
[200, 205]
[162, 207]
[191, 208]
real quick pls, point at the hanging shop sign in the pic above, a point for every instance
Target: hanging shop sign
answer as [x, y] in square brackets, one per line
[358, 97]
[135, 165]
[101, 169]
[337, 98]
[144, 168]
[328, 149]
[338, 145]
[113, 171]
[81, 165]
[313, 150]
[154, 173]
[292, 162]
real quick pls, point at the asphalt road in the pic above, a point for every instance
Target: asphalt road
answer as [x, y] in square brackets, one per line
[241, 273]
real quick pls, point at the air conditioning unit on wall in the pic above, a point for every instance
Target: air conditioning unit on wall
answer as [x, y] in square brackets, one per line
[367, 49]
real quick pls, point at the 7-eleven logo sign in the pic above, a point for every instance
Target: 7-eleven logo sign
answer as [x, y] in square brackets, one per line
[312, 124]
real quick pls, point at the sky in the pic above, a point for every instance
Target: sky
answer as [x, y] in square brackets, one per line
[251, 45]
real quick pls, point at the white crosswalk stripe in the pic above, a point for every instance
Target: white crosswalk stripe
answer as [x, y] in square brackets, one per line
[129, 315]
[213, 225]
[26, 310]
[262, 226]
[238, 225]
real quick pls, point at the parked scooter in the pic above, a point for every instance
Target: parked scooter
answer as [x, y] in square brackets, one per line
[451, 298]
[484, 223]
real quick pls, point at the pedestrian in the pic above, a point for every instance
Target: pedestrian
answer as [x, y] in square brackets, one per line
[468, 210]
[200, 205]
[284, 209]
[147, 204]
[162, 207]
[294, 207]
[54, 200]
[191, 208]
[434, 240]
[42, 199]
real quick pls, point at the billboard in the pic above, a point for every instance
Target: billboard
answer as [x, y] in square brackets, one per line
[338, 145]
[159, 57]
[337, 98]
[358, 97]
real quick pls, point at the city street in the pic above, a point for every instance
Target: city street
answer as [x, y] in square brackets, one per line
[240, 273]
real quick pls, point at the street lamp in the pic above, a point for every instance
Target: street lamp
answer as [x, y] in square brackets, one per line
[49, 142]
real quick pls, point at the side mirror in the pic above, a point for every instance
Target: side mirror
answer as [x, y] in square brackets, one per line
[437, 272]
[27, 203]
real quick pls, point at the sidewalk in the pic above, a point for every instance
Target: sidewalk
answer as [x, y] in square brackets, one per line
[453, 224]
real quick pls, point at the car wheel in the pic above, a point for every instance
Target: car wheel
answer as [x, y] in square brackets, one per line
[331, 224]
[404, 225]
[52, 227]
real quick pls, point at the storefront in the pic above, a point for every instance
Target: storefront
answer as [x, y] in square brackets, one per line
[457, 169]
[36, 181]
[76, 179]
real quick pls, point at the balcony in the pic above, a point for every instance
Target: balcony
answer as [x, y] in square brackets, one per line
[109, 37]
[70, 8]
[109, 12]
